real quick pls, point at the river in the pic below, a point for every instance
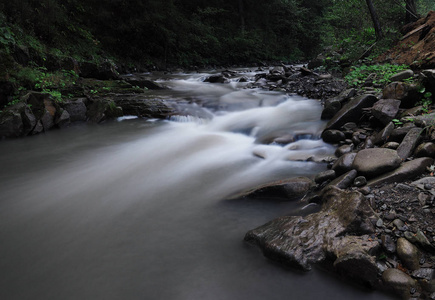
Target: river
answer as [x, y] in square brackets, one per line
[139, 209]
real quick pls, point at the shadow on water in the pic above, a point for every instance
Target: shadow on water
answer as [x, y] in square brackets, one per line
[135, 210]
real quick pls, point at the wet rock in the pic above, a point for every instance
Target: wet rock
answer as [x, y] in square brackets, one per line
[376, 161]
[330, 110]
[289, 188]
[386, 110]
[425, 150]
[144, 107]
[409, 143]
[76, 109]
[333, 136]
[340, 151]
[325, 176]
[344, 163]
[217, 78]
[63, 120]
[351, 111]
[398, 282]
[354, 258]
[408, 170]
[408, 254]
[301, 241]
[425, 180]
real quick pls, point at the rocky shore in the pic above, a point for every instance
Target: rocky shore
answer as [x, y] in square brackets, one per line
[375, 222]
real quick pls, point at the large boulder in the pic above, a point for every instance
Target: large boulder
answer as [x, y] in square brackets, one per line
[351, 111]
[407, 93]
[76, 108]
[376, 161]
[301, 241]
[143, 107]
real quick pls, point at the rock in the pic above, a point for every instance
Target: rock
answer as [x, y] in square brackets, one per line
[406, 92]
[344, 163]
[391, 145]
[29, 120]
[398, 282]
[408, 254]
[340, 151]
[425, 150]
[423, 241]
[301, 241]
[409, 143]
[399, 134]
[289, 188]
[386, 110]
[330, 110]
[425, 180]
[406, 171]
[344, 181]
[63, 120]
[325, 176]
[76, 109]
[145, 83]
[354, 258]
[342, 97]
[383, 135]
[402, 75]
[351, 111]
[306, 72]
[376, 161]
[11, 124]
[360, 181]
[388, 244]
[144, 107]
[333, 136]
[218, 78]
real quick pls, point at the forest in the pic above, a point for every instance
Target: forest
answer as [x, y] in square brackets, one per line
[197, 32]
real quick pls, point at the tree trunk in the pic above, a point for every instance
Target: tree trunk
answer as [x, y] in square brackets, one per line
[375, 19]
[411, 11]
[242, 16]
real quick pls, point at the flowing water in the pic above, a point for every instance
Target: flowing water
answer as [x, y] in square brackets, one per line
[139, 209]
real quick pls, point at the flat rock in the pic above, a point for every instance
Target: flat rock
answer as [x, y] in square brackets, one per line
[406, 171]
[402, 75]
[383, 135]
[376, 161]
[344, 181]
[351, 111]
[410, 141]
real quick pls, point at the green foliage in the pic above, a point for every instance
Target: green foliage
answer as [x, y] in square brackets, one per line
[379, 74]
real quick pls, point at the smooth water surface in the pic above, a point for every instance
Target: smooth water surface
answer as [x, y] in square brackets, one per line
[138, 209]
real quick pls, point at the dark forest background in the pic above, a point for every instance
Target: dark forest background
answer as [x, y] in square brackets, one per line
[196, 32]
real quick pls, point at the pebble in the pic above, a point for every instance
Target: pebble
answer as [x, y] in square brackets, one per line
[379, 223]
[398, 223]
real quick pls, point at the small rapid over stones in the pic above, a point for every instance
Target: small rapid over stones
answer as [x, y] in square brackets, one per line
[138, 208]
